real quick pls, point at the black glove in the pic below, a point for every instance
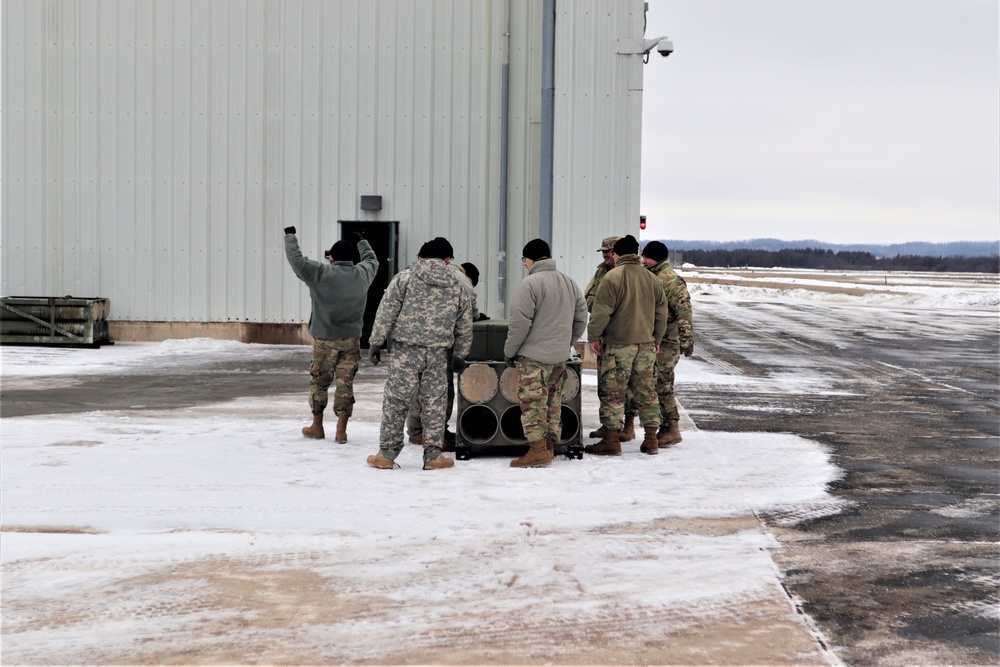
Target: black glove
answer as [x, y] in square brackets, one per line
[689, 350]
[510, 361]
[458, 364]
[289, 230]
[482, 316]
[375, 354]
[357, 237]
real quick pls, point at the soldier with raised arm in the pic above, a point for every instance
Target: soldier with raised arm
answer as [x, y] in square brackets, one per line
[338, 290]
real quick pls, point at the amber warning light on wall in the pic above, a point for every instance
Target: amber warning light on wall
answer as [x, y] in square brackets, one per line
[642, 222]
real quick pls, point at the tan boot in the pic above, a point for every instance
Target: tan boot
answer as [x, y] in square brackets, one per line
[417, 439]
[599, 433]
[538, 456]
[440, 463]
[650, 445]
[341, 436]
[670, 435]
[610, 445]
[628, 431]
[550, 444]
[379, 461]
[316, 430]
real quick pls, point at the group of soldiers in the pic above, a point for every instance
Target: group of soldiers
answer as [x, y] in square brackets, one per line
[639, 324]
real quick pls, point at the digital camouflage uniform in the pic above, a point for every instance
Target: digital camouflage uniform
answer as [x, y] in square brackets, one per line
[539, 392]
[425, 312]
[679, 337]
[414, 425]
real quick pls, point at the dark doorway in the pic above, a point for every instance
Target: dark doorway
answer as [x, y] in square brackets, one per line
[384, 240]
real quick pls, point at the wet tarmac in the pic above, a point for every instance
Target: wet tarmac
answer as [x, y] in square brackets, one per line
[909, 574]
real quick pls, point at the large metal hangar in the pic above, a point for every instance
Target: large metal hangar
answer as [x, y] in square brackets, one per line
[153, 151]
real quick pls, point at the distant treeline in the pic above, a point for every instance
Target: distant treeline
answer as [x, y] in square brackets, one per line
[953, 248]
[818, 258]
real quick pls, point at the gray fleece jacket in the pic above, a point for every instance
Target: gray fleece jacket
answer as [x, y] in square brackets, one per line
[547, 315]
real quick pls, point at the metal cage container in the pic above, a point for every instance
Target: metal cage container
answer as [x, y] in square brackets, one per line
[44, 320]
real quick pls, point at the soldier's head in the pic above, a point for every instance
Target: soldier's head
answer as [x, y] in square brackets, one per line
[625, 246]
[654, 253]
[438, 248]
[342, 251]
[446, 248]
[471, 272]
[607, 246]
[535, 250]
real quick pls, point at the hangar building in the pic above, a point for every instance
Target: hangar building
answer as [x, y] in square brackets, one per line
[154, 150]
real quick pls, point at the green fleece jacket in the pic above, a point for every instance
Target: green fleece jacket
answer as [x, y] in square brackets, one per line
[338, 290]
[629, 307]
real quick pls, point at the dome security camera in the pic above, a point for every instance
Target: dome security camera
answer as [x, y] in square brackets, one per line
[664, 47]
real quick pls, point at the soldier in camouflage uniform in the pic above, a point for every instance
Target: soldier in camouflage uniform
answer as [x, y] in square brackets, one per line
[414, 424]
[678, 339]
[606, 250]
[339, 292]
[426, 312]
[547, 315]
[628, 320]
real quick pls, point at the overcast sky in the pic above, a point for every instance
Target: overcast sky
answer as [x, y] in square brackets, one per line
[845, 121]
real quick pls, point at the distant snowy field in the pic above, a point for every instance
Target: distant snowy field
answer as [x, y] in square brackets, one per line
[860, 288]
[127, 532]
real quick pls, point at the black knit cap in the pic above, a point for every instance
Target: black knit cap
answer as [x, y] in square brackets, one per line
[342, 251]
[536, 249]
[445, 247]
[434, 249]
[472, 272]
[656, 251]
[626, 246]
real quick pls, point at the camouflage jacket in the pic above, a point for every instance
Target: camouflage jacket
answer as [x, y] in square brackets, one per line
[425, 305]
[680, 327]
[591, 291]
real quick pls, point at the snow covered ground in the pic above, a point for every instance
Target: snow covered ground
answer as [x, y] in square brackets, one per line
[218, 534]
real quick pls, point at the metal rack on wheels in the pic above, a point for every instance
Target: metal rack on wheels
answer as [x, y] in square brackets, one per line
[489, 413]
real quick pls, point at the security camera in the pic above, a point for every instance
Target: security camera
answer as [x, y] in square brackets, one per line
[662, 45]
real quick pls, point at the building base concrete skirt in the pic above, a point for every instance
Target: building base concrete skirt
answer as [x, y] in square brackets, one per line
[245, 332]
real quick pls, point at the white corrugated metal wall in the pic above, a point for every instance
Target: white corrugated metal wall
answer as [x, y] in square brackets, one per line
[598, 131]
[153, 150]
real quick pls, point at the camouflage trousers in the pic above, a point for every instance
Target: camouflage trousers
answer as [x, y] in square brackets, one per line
[628, 369]
[414, 422]
[666, 362]
[539, 392]
[414, 370]
[334, 359]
